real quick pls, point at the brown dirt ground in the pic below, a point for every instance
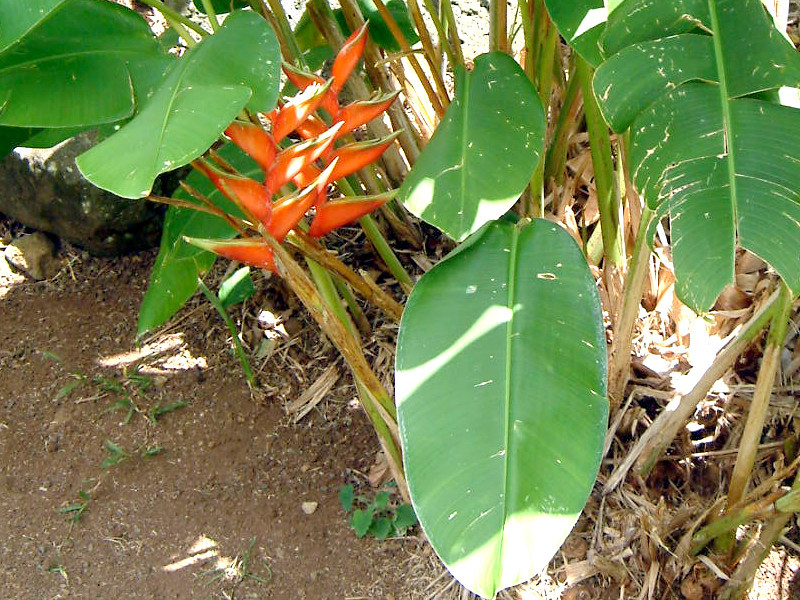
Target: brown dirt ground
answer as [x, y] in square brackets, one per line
[232, 468]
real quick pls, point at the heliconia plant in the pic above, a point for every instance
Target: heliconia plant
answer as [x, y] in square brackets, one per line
[296, 163]
[502, 381]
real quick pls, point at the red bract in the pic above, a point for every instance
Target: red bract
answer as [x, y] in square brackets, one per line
[360, 113]
[302, 80]
[298, 110]
[250, 251]
[336, 213]
[252, 197]
[287, 213]
[357, 156]
[256, 142]
[294, 159]
[299, 162]
[348, 57]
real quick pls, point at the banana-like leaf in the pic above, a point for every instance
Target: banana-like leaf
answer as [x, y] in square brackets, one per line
[484, 151]
[696, 82]
[500, 384]
[581, 23]
[67, 63]
[204, 91]
[174, 277]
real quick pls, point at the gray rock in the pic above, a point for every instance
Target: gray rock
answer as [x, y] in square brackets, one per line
[35, 255]
[43, 189]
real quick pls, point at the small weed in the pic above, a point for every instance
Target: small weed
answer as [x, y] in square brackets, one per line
[157, 411]
[379, 517]
[76, 509]
[78, 379]
[61, 570]
[115, 455]
[151, 451]
[129, 393]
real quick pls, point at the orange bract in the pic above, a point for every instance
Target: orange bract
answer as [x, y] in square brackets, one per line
[336, 213]
[300, 162]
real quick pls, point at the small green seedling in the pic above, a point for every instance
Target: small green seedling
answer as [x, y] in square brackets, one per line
[61, 570]
[157, 411]
[76, 509]
[379, 517]
[78, 379]
[115, 455]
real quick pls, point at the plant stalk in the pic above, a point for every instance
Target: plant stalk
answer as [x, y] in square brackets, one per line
[279, 21]
[410, 141]
[208, 6]
[498, 26]
[322, 17]
[568, 117]
[376, 401]
[178, 22]
[742, 579]
[369, 291]
[757, 414]
[435, 73]
[668, 423]
[240, 353]
[600, 143]
[301, 284]
[449, 20]
[380, 244]
[625, 320]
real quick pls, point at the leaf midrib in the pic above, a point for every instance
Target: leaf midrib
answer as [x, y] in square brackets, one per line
[510, 303]
[726, 113]
[64, 56]
[464, 148]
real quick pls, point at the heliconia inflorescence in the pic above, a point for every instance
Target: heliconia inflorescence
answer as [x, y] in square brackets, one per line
[310, 164]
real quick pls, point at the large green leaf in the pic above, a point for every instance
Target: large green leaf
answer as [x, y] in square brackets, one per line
[73, 63]
[694, 80]
[174, 277]
[484, 151]
[238, 66]
[580, 22]
[500, 385]
[378, 29]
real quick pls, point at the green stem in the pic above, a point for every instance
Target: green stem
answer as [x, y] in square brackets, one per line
[545, 87]
[327, 289]
[742, 578]
[352, 304]
[730, 522]
[240, 353]
[416, 15]
[390, 444]
[600, 144]
[380, 244]
[212, 15]
[368, 290]
[289, 47]
[300, 283]
[568, 117]
[385, 251]
[452, 29]
[757, 413]
[528, 35]
[177, 21]
[498, 25]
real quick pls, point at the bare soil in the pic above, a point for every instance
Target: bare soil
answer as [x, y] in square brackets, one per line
[206, 499]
